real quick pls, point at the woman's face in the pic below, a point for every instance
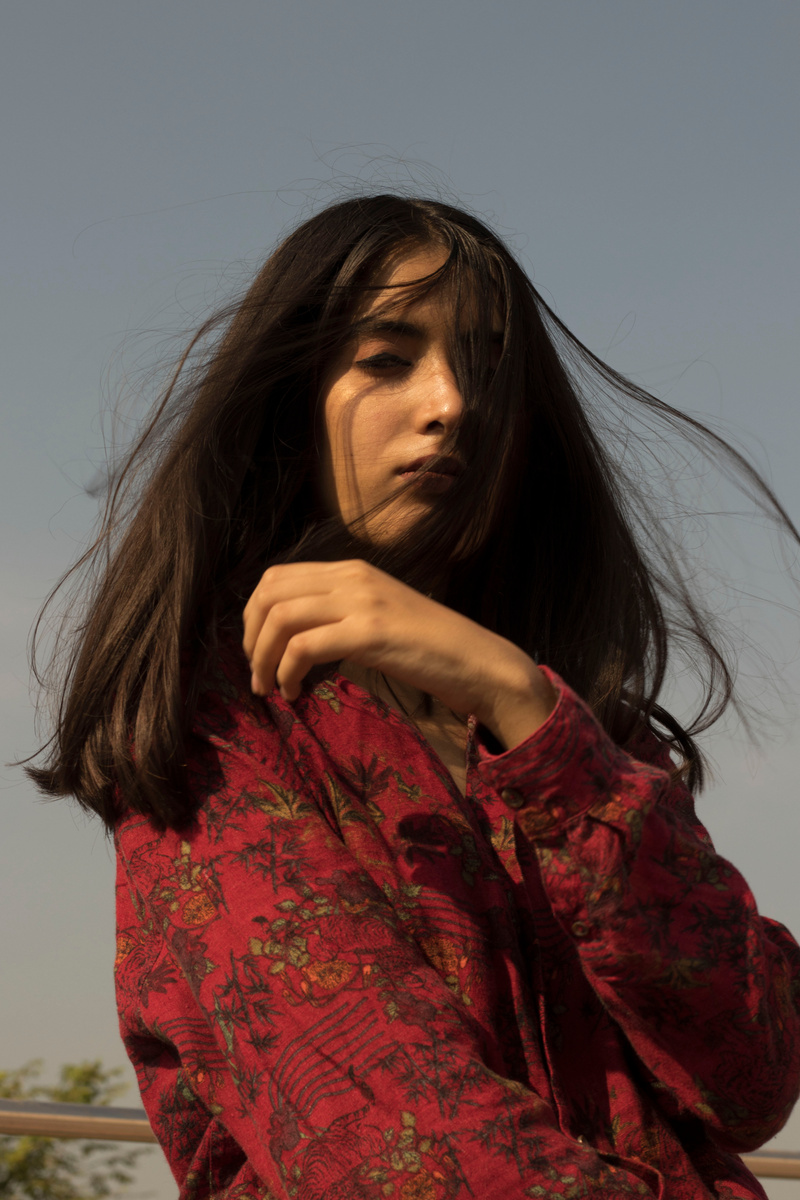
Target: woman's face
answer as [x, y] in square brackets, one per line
[391, 401]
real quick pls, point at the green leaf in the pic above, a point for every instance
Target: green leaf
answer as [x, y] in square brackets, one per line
[37, 1168]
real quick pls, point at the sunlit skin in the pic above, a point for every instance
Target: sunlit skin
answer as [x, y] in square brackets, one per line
[391, 400]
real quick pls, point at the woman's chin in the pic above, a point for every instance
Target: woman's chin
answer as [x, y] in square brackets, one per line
[381, 529]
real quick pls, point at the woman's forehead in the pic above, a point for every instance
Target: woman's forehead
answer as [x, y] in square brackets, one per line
[401, 291]
[408, 265]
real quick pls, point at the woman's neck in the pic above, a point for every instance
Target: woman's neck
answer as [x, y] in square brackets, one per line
[400, 696]
[442, 729]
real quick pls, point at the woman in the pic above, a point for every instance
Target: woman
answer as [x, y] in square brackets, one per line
[412, 897]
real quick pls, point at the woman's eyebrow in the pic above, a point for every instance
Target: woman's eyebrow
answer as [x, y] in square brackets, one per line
[387, 325]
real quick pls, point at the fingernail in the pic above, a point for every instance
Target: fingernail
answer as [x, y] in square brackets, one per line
[255, 684]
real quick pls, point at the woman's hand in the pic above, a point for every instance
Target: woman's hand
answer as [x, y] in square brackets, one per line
[301, 614]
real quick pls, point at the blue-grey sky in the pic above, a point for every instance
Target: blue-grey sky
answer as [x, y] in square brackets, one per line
[642, 159]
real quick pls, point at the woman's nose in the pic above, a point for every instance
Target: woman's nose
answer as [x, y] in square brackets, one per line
[441, 404]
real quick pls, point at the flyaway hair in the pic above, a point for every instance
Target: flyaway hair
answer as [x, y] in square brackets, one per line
[546, 537]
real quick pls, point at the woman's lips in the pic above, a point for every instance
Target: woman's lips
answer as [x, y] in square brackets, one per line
[438, 478]
[429, 481]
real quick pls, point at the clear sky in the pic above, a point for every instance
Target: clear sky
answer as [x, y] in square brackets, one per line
[642, 158]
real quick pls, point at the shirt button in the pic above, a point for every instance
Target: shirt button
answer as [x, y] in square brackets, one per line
[579, 929]
[512, 797]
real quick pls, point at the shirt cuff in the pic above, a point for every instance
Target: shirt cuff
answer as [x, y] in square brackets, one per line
[567, 768]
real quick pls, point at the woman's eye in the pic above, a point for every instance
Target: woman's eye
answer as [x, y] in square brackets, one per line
[382, 362]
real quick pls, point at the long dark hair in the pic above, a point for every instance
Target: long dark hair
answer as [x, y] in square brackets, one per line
[572, 565]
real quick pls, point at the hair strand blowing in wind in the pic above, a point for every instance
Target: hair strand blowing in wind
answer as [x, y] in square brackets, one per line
[545, 538]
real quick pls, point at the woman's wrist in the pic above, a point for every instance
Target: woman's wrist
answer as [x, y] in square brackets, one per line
[519, 703]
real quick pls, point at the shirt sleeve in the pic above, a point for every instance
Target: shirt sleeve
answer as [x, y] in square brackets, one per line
[706, 991]
[283, 1002]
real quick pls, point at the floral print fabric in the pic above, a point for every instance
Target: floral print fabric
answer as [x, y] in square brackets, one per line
[346, 980]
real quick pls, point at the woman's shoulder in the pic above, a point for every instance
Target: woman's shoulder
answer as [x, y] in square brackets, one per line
[232, 737]
[225, 710]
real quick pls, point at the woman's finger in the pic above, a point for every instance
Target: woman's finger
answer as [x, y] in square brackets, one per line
[293, 581]
[310, 647]
[283, 621]
[276, 586]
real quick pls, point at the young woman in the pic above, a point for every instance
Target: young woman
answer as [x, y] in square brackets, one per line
[413, 901]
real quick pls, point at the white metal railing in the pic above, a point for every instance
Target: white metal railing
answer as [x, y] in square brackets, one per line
[773, 1164]
[40, 1119]
[131, 1125]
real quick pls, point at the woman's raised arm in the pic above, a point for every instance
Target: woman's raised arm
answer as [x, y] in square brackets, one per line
[705, 990]
[304, 613]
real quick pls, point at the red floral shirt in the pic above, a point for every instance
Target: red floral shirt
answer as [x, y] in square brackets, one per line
[348, 981]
